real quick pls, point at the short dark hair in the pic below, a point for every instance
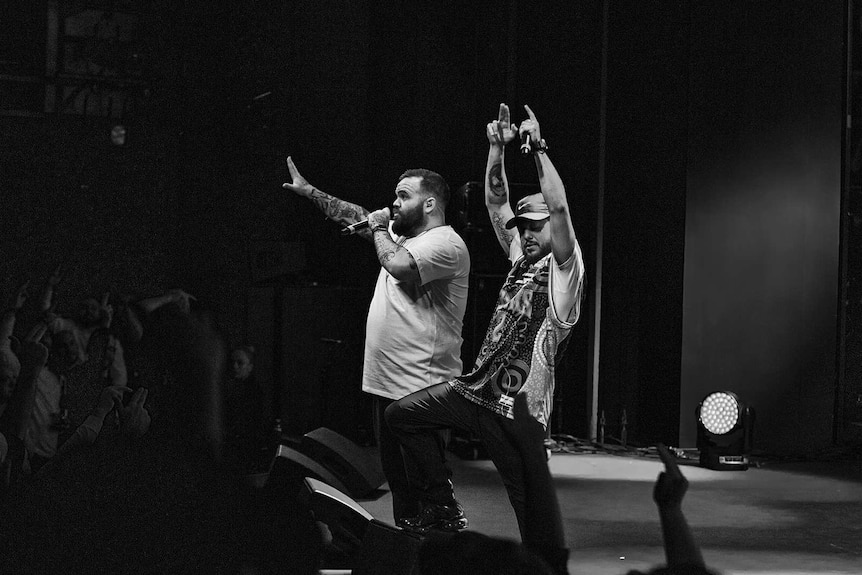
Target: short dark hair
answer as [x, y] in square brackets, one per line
[431, 183]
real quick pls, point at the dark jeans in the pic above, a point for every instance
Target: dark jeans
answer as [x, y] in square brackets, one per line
[405, 503]
[415, 419]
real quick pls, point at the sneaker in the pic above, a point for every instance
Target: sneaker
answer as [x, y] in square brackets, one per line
[435, 516]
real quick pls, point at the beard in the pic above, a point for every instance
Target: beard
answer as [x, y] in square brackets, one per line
[407, 222]
[533, 252]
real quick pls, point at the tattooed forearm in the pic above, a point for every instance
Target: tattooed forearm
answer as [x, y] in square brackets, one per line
[336, 209]
[395, 258]
[385, 248]
[499, 223]
[496, 186]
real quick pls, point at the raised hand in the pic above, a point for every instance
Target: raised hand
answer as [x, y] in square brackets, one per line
[182, 299]
[134, 417]
[298, 185]
[501, 131]
[671, 485]
[531, 126]
[37, 332]
[21, 295]
[107, 310]
[111, 395]
[379, 219]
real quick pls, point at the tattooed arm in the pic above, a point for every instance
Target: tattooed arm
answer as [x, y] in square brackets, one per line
[500, 132]
[333, 208]
[395, 258]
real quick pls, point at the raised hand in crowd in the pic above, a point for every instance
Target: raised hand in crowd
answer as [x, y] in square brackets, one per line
[21, 295]
[10, 364]
[182, 299]
[46, 303]
[670, 487]
[134, 417]
[681, 552]
[106, 311]
[175, 295]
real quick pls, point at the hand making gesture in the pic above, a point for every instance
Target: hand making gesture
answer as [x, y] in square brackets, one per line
[679, 545]
[298, 184]
[671, 485]
[501, 131]
[21, 295]
[107, 310]
[531, 126]
[134, 417]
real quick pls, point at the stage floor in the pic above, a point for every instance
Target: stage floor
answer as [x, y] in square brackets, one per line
[777, 518]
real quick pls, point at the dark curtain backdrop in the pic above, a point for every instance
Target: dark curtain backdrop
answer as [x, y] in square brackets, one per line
[721, 199]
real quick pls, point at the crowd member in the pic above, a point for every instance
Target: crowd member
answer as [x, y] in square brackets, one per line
[42, 434]
[141, 500]
[18, 371]
[246, 428]
[134, 312]
[10, 365]
[90, 317]
[413, 331]
[131, 317]
[681, 551]
[536, 310]
[100, 357]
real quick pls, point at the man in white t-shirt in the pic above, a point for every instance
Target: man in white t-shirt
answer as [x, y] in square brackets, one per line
[413, 333]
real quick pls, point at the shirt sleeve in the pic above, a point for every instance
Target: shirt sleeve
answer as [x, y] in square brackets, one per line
[515, 250]
[439, 256]
[567, 285]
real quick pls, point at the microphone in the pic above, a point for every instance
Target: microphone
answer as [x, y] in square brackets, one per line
[353, 228]
[525, 143]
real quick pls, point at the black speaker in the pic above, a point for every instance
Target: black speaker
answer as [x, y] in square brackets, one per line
[356, 468]
[290, 467]
[346, 520]
[369, 546]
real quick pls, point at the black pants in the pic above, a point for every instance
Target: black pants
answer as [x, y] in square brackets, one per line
[405, 502]
[414, 421]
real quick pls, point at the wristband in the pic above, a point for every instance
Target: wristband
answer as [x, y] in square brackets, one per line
[540, 147]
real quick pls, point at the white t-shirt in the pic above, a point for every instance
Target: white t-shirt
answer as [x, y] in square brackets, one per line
[413, 334]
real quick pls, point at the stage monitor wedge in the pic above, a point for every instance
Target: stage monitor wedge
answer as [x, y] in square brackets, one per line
[290, 467]
[357, 468]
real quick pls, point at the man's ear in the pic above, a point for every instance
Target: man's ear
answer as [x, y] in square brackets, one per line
[430, 204]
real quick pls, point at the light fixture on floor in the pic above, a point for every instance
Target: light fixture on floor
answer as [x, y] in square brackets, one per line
[724, 429]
